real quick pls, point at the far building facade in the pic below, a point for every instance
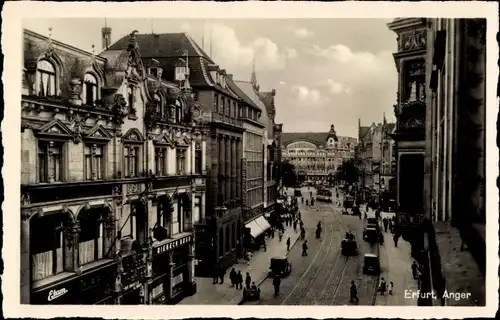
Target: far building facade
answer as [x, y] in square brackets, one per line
[317, 155]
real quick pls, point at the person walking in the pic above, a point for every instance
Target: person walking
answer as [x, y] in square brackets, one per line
[302, 233]
[239, 280]
[396, 238]
[215, 275]
[288, 242]
[390, 287]
[276, 285]
[222, 274]
[248, 280]
[385, 223]
[232, 277]
[280, 236]
[354, 293]
[382, 286]
[304, 248]
[295, 225]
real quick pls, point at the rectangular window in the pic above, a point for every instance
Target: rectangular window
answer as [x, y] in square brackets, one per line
[50, 155]
[221, 107]
[47, 247]
[197, 161]
[161, 161]
[240, 111]
[131, 163]
[94, 162]
[180, 160]
[216, 103]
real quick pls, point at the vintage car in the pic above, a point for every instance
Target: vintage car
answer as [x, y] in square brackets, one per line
[349, 247]
[251, 294]
[373, 235]
[372, 221]
[279, 266]
[371, 264]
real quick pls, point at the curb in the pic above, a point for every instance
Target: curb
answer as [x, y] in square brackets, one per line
[267, 275]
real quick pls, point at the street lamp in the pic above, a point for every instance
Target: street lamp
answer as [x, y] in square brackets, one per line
[220, 210]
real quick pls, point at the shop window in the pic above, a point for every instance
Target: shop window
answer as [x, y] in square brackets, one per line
[94, 162]
[47, 245]
[221, 242]
[228, 239]
[131, 160]
[164, 215]
[161, 160]
[46, 78]
[180, 160]
[50, 161]
[90, 89]
[91, 239]
[187, 211]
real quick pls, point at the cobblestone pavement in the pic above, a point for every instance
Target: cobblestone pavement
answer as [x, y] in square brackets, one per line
[323, 277]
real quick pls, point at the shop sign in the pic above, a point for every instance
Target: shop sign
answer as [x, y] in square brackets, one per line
[54, 294]
[244, 181]
[170, 245]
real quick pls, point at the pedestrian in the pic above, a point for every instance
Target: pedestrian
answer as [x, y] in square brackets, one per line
[382, 286]
[389, 222]
[302, 233]
[248, 280]
[354, 292]
[396, 238]
[254, 286]
[288, 241]
[295, 225]
[301, 224]
[307, 202]
[222, 274]
[390, 287]
[386, 224]
[414, 270]
[239, 280]
[276, 285]
[304, 248]
[232, 277]
[215, 275]
[264, 244]
[280, 236]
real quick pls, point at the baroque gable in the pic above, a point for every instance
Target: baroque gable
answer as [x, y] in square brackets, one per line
[98, 132]
[133, 135]
[55, 128]
[164, 139]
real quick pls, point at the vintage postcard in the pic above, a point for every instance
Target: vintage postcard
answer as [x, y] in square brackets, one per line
[201, 159]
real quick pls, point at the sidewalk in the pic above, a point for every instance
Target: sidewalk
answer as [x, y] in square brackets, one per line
[208, 293]
[396, 267]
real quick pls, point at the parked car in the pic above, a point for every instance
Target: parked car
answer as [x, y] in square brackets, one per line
[373, 235]
[371, 264]
[279, 266]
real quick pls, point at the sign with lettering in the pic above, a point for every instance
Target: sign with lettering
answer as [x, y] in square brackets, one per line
[244, 182]
[172, 244]
[54, 294]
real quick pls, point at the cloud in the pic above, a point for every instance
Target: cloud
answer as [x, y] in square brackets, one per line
[291, 53]
[300, 32]
[309, 95]
[228, 49]
[336, 52]
[282, 82]
[337, 88]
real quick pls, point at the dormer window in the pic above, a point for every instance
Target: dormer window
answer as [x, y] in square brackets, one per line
[181, 72]
[46, 78]
[90, 89]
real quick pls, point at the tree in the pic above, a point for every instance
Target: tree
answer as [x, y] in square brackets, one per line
[348, 172]
[289, 177]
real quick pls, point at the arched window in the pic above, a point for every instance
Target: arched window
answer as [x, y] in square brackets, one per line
[91, 240]
[90, 89]
[178, 111]
[47, 245]
[228, 239]
[46, 78]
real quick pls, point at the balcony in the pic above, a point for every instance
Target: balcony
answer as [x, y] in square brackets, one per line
[216, 117]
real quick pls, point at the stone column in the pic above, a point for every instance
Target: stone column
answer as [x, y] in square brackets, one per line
[238, 168]
[204, 155]
[71, 262]
[193, 156]
[202, 205]
[228, 168]
[191, 257]
[171, 266]
[222, 168]
[233, 169]
[187, 161]
[49, 161]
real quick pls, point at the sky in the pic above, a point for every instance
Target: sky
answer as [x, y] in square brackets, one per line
[325, 71]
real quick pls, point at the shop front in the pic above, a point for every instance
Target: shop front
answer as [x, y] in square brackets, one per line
[132, 279]
[92, 287]
[255, 231]
[172, 277]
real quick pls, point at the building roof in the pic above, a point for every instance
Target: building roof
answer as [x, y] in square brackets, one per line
[169, 50]
[318, 138]
[363, 131]
[240, 93]
[248, 89]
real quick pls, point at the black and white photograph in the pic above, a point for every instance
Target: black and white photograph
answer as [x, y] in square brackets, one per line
[227, 159]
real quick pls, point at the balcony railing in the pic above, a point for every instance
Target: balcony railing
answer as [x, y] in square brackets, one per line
[226, 119]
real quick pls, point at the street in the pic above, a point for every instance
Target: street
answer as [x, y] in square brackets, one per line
[323, 277]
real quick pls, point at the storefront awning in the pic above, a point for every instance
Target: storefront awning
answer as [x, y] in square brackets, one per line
[263, 224]
[255, 229]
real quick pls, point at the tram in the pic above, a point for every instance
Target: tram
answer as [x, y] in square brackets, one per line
[324, 195]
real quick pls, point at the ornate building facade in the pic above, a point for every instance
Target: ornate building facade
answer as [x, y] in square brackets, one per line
[317, 155]
[112, 179]
[218, 232]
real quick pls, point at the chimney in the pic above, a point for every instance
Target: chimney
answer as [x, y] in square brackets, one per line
[106, 37]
